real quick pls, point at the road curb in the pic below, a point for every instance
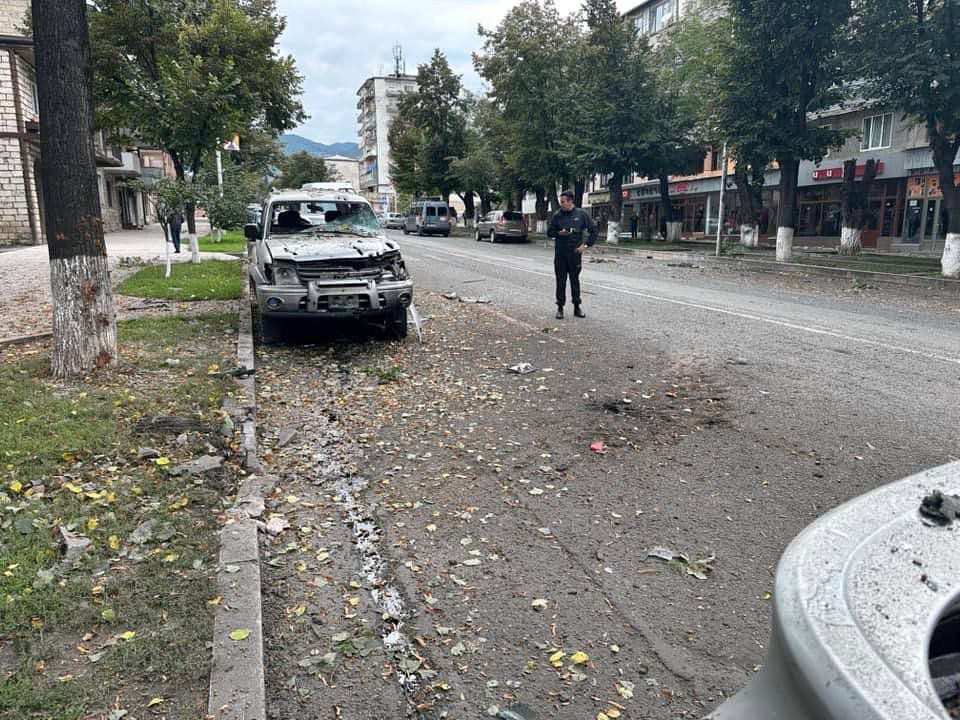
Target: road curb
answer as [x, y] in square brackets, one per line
[789, 268]
[237, 685]
[22, 339]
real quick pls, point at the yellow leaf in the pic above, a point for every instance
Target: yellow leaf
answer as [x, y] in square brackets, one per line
[155, 701]
[556, 659]
[602, 716]
[162, 461]
[240, 634]
[36, 623]
[212, 368]
[215, 600]
[114, 542]
[292, 499]
[353, 600]
[92, 523]
[73, 488]
[767, 595]
[128, 635]
[65, 678]
[170, 557]
[299, 610]
[431, 528]
[579, 658]
[613, 713]
[179, 503]
[16, 486]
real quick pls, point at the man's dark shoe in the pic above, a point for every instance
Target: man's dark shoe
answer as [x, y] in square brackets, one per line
[559, 313]
[577, 312]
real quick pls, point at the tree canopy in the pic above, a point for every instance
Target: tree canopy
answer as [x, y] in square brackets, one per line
[302, 167]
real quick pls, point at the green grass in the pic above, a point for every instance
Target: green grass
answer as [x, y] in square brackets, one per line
[71, 459]
[233, 242]
[208, 280]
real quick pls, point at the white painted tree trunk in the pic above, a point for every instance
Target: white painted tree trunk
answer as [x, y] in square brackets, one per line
[613, 232]
[784, 244]
[674, 230]
[541, 226]
[166, 256]
[950, 261]
[850, 241]
[194, 247]
[750, 235]
[84, 322]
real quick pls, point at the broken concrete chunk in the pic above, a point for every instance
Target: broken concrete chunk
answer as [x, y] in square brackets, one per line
[201, 465]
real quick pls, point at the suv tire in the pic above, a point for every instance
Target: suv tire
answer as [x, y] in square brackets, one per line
[493, 236]
[397, 323]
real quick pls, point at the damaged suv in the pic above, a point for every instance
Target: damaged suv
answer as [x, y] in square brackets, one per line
[322, 254]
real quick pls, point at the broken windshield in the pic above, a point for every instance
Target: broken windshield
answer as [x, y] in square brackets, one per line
[328, 216]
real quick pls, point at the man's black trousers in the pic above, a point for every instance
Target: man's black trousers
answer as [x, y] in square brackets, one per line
[567, 261]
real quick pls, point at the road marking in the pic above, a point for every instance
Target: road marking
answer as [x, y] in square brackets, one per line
[722, 311]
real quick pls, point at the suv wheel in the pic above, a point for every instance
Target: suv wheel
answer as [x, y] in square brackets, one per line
[270, 329]
[493, 236]
[476, 235]
[397, 323]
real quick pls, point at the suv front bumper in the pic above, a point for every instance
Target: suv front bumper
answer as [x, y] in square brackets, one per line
[335, 298]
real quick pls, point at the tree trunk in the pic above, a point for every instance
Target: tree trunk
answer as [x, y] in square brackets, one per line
[789, 174]
[542, 209]
[750, 206]
[944, 153]
[616, 209]
[579, 187]
[666, 207]
[84, 322]
[469, 209]
[855, 201]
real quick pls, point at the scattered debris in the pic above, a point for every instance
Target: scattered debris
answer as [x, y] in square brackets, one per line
[598, 446]
[940, 509]
[237, 372]
[451, 296]
[523, 368]
[476, 300]
[287, 436]
[276, 524]
[682, 563]
[74, 544]
[201, 465]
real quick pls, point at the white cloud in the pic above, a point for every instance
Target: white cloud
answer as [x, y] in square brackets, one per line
[338, 45]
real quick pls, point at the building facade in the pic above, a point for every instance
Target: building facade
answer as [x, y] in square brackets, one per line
[905, 209]
[21, 199]
[347, 169]
[377, 106]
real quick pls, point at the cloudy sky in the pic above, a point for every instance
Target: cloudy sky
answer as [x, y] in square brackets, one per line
[337, 45]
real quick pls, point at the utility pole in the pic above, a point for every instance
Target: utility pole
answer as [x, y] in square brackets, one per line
[84, 322]
[723, 188]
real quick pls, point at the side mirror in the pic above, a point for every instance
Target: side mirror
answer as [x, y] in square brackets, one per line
[251, 231]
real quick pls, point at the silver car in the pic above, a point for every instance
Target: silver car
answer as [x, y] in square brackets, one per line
[323, 254]
[501, 225]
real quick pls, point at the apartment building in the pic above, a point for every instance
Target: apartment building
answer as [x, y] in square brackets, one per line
[905, 212]
[377, 106]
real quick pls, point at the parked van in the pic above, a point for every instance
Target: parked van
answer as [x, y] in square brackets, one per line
[429, 216]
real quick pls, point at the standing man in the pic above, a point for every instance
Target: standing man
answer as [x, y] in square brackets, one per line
[633, 226]
[175, 221]
[567, 227]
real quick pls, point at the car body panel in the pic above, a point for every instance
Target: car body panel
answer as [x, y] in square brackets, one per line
[858, 594]
[427, 217]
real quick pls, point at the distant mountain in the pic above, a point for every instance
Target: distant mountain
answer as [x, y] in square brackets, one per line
[296, 143]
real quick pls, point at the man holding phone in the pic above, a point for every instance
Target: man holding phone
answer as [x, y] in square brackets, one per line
[567, 228]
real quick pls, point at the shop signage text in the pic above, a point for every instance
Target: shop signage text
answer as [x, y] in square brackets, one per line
[836, 173]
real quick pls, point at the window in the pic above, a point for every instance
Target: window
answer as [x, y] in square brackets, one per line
[876, 132]
[655, 17]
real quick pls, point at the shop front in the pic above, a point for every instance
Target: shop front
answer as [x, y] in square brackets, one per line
[925, 217]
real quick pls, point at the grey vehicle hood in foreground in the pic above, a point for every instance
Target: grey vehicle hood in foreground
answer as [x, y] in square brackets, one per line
[328, 246]
[858, 594]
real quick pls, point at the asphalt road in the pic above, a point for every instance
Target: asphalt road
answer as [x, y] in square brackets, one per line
[733, 410]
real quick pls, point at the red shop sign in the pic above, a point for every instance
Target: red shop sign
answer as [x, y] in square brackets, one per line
[836, 173]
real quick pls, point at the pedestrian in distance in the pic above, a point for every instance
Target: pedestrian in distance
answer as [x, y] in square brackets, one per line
[175, 222]
[634, 221]
[567, 228]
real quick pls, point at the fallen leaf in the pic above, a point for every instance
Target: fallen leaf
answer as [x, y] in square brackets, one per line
[579, 657]
[240, 634]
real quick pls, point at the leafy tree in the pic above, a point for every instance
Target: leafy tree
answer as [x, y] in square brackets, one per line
[909, 55]
[784, 63]
[613, 108]
[429, 131]
[302, 167]
[529, 60]
[478, 172]
[183, 74]
[84, 324]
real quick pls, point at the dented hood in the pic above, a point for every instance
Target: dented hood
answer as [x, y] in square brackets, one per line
[300, 248]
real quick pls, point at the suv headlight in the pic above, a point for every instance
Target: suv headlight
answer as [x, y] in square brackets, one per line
[285, 275]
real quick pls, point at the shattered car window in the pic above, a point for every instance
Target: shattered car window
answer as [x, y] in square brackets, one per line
[326, 216]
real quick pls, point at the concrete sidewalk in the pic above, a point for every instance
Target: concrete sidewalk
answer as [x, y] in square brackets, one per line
[25, 304]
